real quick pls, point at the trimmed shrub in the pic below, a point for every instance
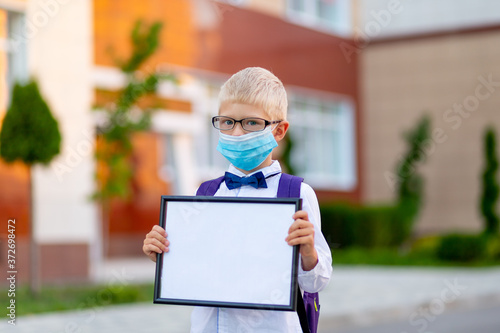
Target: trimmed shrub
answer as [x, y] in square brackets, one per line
[410, 183]
[29, 131]
[490, 185]
[461, 247]
[345, 225]
[337, 225]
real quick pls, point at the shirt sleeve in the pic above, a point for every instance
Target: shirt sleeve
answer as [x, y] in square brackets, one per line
[316, 279]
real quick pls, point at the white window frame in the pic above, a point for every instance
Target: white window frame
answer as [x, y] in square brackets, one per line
[15, 47]
[235, 3]
[310, 130]
[341, 23]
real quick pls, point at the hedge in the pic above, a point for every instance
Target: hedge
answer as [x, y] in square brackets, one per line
[462, 247]
[345, 225]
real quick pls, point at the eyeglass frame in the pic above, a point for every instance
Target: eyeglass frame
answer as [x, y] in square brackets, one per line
[266, 122]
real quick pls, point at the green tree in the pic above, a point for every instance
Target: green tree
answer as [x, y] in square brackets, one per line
[29, 134]
[123, 118]
[490, 187]
[410, 186]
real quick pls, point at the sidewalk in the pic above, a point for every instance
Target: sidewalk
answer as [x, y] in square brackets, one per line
[355, 296]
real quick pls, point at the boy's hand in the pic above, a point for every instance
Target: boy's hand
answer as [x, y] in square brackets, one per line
[301, 233]
[155, 242]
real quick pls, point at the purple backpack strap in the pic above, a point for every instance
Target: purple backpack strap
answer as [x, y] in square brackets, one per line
[289, 186]
[308, 305]
[311, 305]
[209, 187]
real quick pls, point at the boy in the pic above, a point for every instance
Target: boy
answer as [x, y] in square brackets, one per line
[251, 120]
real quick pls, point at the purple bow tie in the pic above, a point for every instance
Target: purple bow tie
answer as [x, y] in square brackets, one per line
[256, 180]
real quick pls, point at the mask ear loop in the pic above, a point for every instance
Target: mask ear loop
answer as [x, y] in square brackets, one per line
[277, 124]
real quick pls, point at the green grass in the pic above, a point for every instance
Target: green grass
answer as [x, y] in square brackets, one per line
[395, 257]
[76, 298]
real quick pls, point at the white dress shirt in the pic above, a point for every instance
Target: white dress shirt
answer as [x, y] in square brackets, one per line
[211, 320]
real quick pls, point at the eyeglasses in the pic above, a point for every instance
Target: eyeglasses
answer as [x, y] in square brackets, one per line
[248, 124]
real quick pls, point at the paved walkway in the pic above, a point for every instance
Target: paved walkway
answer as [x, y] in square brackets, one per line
[355, 296]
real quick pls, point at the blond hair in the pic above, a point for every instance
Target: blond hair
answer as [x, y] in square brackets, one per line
[259, 87]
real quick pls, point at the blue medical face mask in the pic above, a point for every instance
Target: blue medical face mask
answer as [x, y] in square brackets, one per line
[247, 151]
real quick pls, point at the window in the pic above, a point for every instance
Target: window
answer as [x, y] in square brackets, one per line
[329, 15]
[13, 62]
[4, 86]
[323, 137]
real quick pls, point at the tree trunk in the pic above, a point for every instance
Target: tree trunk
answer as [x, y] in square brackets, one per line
[106, 207]
[34, 253]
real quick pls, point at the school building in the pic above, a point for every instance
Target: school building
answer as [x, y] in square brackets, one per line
[357, 73]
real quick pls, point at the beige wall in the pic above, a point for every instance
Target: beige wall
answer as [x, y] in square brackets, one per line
[273, 7]
[402, 80]
[60, 57]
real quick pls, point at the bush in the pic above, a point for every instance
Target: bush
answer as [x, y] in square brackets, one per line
[491, 188]
[345, 225]
[461, 247]
[426, 245]
[493, 246]
[410, 183]
[29, 131]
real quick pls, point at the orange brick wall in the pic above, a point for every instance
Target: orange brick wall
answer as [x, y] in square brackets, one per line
[114, 20]
[14, 197]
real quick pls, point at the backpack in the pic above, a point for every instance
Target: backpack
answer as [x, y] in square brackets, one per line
[289, 187]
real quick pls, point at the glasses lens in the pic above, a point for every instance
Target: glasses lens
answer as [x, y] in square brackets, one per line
[223, 123]
[253, 124]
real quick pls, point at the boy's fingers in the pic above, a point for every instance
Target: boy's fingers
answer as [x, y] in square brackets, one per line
[155, 243]
[152, 251]
[152, 247]
[305, 243]
[160, 241]
[156, 235]
[300, 224]
[159, 230]
[300, 214]
[152, 256]
[301, 233]
[301, 236]
[148, 249]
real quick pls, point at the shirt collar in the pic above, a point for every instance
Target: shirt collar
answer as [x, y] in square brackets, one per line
[274, 168]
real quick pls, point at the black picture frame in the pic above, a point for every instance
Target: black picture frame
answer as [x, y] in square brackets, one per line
[243, 275]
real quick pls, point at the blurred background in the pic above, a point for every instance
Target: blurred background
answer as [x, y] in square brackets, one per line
[390, 103]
